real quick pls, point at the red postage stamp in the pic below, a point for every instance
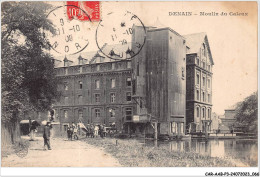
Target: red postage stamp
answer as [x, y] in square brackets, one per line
[91, 8]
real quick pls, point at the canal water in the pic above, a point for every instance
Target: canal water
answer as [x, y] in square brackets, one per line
[242, 151]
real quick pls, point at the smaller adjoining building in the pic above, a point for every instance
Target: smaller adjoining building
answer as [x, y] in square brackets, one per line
[198, 83]
[227, 121]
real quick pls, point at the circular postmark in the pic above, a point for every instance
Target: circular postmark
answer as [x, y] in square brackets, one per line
[116, 35]
[21, 150]
[71, 24]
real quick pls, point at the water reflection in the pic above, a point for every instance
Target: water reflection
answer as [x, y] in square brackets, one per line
[244, 151]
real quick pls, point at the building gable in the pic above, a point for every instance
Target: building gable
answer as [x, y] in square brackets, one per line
[195, 42]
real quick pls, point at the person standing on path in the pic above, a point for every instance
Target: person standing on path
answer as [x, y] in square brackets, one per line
[96, 129]
[46, 135]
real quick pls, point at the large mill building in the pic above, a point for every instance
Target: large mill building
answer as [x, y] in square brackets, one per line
[169, 82]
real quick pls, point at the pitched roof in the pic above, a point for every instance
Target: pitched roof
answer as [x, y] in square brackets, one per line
[194, 42]
[92, 56]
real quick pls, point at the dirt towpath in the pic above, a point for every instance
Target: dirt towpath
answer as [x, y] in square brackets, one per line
[64, 153]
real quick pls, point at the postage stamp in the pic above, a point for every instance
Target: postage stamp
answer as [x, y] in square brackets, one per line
[90, 10]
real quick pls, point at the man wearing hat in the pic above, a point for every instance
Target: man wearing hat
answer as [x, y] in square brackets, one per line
[47, 134]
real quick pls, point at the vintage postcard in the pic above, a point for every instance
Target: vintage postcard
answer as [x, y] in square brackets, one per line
[129, 84]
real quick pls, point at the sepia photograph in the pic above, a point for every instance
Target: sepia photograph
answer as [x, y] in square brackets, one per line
[129, 84]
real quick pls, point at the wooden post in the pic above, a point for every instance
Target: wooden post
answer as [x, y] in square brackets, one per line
[155, 131]
[144, 133]
[206, 129]
[155, 143]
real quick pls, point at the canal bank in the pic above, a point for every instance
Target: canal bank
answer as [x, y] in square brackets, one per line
[135, 153]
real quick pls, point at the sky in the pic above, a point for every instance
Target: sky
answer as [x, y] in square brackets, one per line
[232, 39]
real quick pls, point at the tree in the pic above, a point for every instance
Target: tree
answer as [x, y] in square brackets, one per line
[28, 75]
[246, 113]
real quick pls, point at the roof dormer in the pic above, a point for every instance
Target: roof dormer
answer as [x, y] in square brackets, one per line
[67, 62]
[82, 60]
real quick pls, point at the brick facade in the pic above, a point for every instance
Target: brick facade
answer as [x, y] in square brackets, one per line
[99, 94]
[199, 84]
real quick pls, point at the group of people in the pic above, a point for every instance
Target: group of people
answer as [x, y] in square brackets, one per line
[91, 130]
[95, 130]
[72, 131]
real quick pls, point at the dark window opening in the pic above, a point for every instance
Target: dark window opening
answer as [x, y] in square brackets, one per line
[80, 85]
[128, 96]
[128, 82]
[128, 113]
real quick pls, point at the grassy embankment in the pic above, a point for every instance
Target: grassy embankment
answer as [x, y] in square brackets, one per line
[131, 153]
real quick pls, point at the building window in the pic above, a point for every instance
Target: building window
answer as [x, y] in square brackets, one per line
[66, 100]
[98, 67]
[198, 61]
[97, 84]
[66, 87]
[128, 113]
[80, 115]
[97, 98]
[198, 95]
[80, 69]
[203, 112]
[208, 83]
[204, 65]
[112, 113]
[97, 113]
[113, 66]
[80, 85]
[129, 82]
[209, 67]
[198, 79]
[173, 127]
[66, 114]
[66, 71]
[203, 96]
[128, 96]
[112, 97]
[204, 81]
[209, 99]
[198, 111]
[129, 64]
[80, 99]
[209, 113]
[113, 83]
